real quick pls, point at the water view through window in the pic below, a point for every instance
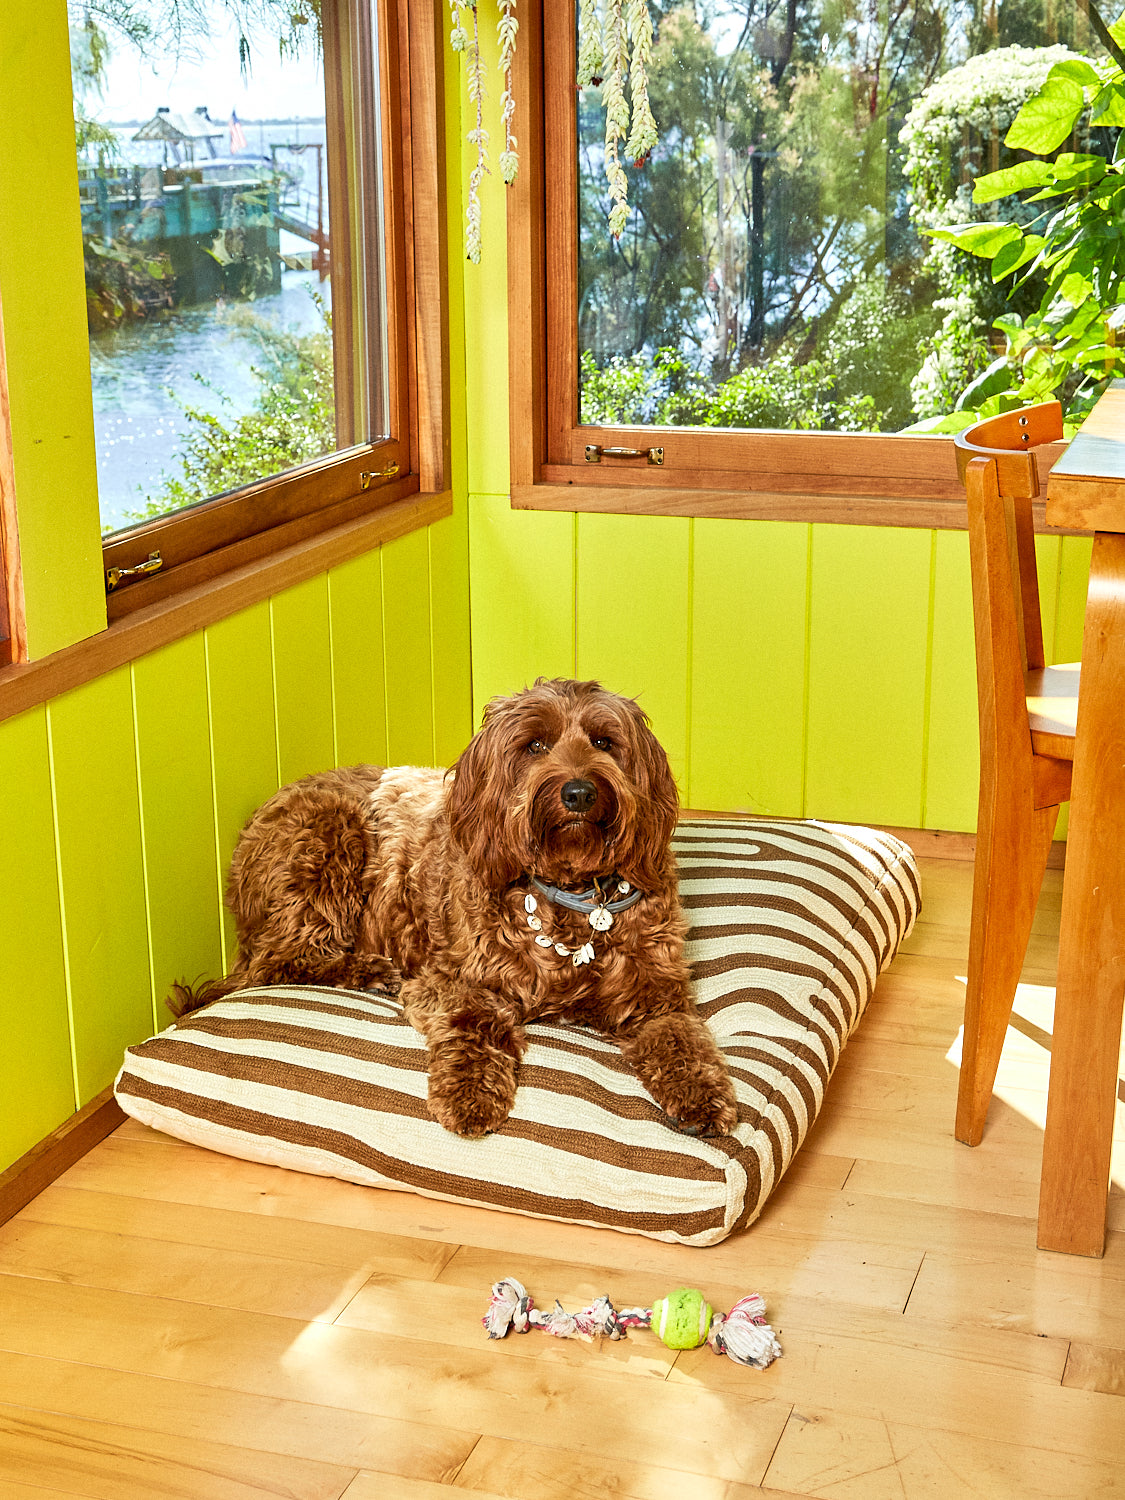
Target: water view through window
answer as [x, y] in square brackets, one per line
[209, 257]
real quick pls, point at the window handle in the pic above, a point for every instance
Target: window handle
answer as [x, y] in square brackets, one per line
[368, 477]
[595, 453]
[115, 576]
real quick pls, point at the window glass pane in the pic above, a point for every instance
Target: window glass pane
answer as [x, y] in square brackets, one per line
[771, 273]
[231, 337]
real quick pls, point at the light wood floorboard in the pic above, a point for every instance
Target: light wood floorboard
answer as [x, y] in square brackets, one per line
[177, 1324]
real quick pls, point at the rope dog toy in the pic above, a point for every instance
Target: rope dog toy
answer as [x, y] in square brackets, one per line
[682, 1320]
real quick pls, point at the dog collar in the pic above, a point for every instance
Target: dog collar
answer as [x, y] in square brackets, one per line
[589, 901]
[598, 911]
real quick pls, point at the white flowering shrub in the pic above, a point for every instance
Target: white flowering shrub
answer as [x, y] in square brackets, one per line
[953, 135]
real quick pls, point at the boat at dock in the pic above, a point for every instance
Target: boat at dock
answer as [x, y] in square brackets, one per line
[217, 218]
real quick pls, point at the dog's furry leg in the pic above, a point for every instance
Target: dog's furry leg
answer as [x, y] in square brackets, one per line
[298, 890]
[676, 1058]
[475, 1044]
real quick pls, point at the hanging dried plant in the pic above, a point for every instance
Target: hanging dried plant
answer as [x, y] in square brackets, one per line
[478, 137]
[462, 40]
[615, 48]
[506, 30]
[605, 32]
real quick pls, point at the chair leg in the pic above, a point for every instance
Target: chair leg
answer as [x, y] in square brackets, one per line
[1012, 849]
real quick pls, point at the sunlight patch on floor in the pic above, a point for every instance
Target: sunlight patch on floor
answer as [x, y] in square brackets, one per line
[1022, 1077]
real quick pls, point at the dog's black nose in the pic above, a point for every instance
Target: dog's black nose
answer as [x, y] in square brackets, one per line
[579, 796]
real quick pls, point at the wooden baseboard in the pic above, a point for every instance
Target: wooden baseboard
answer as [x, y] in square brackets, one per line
[26, 1178]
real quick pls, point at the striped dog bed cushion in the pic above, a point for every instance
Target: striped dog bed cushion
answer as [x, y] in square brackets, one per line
[790, 924]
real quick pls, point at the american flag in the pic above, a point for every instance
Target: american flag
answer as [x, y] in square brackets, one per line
[238, 140]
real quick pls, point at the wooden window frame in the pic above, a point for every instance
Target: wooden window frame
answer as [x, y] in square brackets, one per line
[248, 525]
[858, 479]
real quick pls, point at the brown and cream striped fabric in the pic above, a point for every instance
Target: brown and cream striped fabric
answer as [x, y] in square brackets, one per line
[790, 925]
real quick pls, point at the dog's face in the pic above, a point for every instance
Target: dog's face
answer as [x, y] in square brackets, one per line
[565, 781]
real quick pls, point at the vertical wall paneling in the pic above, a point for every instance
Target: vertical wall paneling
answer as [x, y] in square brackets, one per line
[449, 613]
[46, 342]
[36, 1079]
[952, 755]
[355, 593]
[634, 617]
[523, 596]
[94, 766]
[868, 655]
[1048, 566]
[1070, 612]
[1074, 580]
[177, 816]
[302, 675]
[407, 636]
[749, 597]
[239, 658]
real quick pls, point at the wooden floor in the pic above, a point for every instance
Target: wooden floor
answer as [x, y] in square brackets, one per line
[173, 1323]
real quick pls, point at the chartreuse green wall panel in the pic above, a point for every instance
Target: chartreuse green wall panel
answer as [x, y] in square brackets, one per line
[243, 722]
[633, 617]
[952, 758]
[1074, 580]
[359, 690]
[36, 1077]
[302, 676]
[101, 874]
[408, 650]
[749, 643]
[868, 674]
[44, 316]
[449, 624]
[1064, 641]
[177, 816]
[522, 592]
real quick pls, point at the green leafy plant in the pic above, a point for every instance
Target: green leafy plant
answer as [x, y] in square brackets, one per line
[1066, 346]
[953, 132]
[667, 391]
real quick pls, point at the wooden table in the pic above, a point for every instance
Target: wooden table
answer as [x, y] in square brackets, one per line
[1086, 492]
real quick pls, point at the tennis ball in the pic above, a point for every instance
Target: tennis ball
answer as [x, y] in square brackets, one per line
[682, 1318]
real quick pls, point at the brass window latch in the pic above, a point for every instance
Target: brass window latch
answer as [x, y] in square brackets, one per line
[595, 452]
[114, 577]
[367, 479]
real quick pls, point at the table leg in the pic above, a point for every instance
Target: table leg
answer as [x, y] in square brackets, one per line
[1086, 1040]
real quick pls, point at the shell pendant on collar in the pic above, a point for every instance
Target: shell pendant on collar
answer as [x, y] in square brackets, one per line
[600, 920]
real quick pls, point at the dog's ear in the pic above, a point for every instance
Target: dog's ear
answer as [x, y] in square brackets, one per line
[479, 804]
[645, 861]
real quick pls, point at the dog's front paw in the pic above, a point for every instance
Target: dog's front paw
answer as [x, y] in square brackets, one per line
[700, 1112]
[359, 971]
[384, 977]
[472, 1096]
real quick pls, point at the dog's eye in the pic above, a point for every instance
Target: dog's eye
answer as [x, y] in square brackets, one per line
[600, 743]
[538, 747]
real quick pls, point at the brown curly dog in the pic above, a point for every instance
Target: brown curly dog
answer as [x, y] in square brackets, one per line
[533, 881]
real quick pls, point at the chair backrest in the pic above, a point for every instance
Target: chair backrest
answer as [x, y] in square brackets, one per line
[997, 465]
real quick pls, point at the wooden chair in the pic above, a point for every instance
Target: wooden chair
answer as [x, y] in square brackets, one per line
[1027, 717]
